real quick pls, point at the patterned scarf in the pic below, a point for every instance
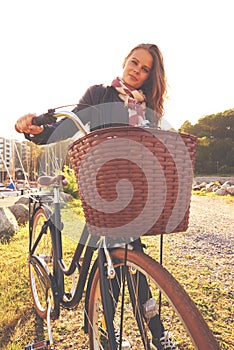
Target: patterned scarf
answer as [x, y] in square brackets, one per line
[133, 99]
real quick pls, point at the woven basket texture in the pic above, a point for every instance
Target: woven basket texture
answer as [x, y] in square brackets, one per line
[134, 181]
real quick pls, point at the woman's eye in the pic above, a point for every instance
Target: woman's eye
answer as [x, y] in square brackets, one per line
[146, 70]
[134, 62]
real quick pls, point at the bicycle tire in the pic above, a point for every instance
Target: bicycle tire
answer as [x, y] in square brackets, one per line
[178, 313]
[43, 289]
[41, 265]
[44, 248]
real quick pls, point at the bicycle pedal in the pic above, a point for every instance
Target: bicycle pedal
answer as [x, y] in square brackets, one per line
[150, 308]
[39, 345]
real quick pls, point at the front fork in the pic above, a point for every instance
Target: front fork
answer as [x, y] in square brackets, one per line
[107, 272]
[108, 307]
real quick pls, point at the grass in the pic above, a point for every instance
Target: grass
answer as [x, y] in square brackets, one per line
[228, 198]
[206, 279]
[14, 296]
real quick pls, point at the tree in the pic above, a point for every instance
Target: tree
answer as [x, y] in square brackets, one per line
[215, 151]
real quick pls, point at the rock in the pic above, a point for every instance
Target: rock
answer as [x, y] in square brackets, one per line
[226, 185]
[203, 184]
[219, 186]
[198, 186]
[221, 192]
[23, 200]
[211, 187]
[230, 190]
[8, 224]
[21, 212]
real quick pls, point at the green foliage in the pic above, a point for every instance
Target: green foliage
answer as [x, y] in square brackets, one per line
[215, 151]
[72, 187]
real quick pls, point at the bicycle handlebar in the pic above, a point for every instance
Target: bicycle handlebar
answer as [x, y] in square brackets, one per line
[51, 116]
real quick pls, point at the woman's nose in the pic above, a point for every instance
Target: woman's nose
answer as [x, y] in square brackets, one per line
[136, 69]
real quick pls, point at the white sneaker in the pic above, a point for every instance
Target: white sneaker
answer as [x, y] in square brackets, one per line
[125, 345]
[164, 343]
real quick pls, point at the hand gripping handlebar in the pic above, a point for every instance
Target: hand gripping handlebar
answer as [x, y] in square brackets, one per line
[51, 116]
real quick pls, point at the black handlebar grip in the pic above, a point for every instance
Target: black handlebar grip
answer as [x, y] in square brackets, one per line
[43, 119]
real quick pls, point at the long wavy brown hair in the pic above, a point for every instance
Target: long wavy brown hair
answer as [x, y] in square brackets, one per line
[155, 86]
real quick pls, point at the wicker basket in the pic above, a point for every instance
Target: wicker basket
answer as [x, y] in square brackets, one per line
[134, 181]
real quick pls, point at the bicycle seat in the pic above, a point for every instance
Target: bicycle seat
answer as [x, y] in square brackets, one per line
[58, 179]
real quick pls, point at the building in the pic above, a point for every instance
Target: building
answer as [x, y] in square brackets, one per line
[14, 159]
[5, 158]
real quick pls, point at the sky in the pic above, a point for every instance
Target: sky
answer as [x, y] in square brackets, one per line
[53, 50]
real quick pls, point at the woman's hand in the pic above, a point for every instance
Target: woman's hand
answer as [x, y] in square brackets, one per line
[24, 124]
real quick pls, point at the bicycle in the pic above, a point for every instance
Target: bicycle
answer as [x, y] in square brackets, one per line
[117, 314]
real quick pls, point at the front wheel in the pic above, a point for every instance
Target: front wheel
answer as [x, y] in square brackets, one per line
[152, 308]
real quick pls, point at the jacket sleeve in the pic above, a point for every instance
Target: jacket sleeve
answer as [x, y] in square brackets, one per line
[65, 128]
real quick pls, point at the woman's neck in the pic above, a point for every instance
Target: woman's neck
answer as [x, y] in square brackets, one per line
[129, 86]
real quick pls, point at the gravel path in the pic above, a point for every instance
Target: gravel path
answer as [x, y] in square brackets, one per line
[212, 221]
[210, 233]
[203, 262]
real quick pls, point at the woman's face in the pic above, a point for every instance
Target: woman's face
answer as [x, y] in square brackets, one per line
[137, 68]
